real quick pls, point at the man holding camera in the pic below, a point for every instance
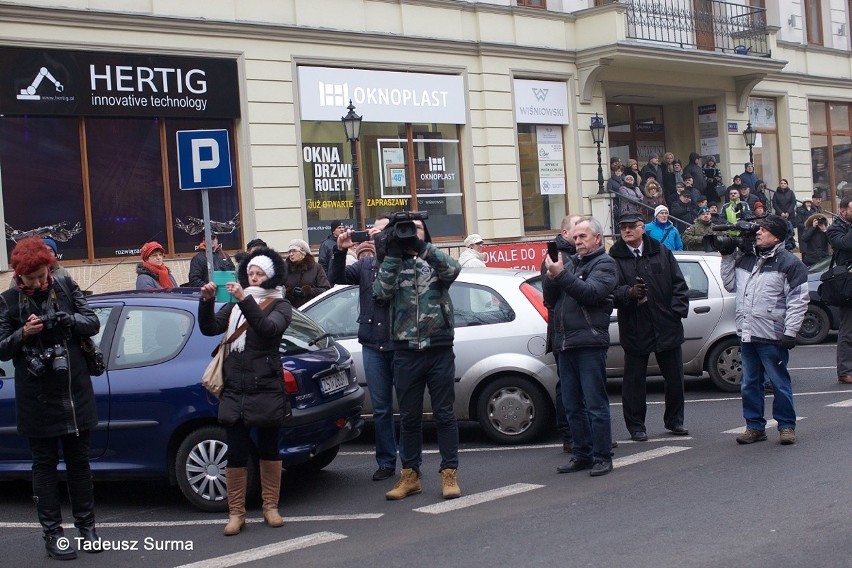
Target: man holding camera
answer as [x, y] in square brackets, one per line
[376, 345]
[840, 236]
[772, 297]
[415, 278]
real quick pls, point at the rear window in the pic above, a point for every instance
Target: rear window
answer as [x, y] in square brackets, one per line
[303, 334]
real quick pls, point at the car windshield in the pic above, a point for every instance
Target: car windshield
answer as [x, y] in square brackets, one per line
[302, 335]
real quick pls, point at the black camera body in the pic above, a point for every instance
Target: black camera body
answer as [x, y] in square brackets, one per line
[38, 359]
[401, 227]
[727, 244]
[822, 221]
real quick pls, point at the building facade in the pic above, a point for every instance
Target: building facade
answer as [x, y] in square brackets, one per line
[477, 112]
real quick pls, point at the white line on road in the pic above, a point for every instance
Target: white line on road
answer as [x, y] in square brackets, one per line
[267, 551]
[648, 455]
[365, 516]
[810, 368]
[769, 424]
[477, 498]
[842, 404]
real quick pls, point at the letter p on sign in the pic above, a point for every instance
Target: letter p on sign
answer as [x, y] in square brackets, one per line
[204, 159]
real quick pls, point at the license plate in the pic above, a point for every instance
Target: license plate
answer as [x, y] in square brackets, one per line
[334, 383]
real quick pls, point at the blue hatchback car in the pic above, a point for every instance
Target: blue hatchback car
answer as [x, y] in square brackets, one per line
[155, 418]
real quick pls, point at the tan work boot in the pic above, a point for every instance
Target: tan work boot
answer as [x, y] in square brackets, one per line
[449, 485]
[270, 489]
[751, 436]
[788, 436]
[235, 477]
[408, 484]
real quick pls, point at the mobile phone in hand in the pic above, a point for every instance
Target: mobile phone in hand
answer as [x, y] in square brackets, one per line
[360, 236]
[552, 251]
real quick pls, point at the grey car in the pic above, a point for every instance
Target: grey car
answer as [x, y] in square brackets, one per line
[504, 379]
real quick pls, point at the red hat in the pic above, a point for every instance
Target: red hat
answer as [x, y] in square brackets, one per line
[148, 248]
[758, 204]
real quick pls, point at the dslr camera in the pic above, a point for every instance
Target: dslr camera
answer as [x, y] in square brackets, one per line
[727, 244]
[401, 227]
[38, 359]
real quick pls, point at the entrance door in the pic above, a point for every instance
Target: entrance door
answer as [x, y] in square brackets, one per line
[704, 28]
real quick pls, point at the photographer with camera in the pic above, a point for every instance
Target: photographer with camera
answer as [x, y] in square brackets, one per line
[815, 239]
[840, 237]
[42, 321]
[414, 279]
[772, 297]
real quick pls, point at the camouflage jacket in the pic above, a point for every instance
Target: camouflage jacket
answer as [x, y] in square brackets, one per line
[417, 289]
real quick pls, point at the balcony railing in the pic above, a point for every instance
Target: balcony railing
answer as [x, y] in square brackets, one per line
[716, 26]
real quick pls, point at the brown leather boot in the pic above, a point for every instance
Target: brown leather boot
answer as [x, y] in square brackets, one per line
[270, 488]
[235, 477]
[845, 379]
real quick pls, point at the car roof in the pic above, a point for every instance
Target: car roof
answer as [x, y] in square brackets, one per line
[175, 293]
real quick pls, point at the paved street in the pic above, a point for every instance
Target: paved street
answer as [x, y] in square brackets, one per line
[700, 500]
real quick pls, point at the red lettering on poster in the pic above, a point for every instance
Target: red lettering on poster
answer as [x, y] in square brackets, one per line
[526, 256]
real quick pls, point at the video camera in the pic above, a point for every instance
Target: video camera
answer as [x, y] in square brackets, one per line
[401, 227]
[727, 244]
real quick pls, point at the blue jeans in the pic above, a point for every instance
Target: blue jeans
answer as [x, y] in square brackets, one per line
[582, 376]
[766, 361]
[378, 366]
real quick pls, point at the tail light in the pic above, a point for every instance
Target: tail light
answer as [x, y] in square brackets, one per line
[291, 385]
[536, 298]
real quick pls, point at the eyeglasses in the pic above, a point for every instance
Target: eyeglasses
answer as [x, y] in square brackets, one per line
[293, 251]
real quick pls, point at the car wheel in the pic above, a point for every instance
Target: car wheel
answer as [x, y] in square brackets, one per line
[316, 463]
[200, 469]
[815, 326]
[725, 365]
[513, 410]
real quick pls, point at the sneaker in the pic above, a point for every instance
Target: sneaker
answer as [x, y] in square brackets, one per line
[383, 473]
[788, 436]
[408, 484]
[601, 467]
[574, 465]
[449, 484]
[751, 436]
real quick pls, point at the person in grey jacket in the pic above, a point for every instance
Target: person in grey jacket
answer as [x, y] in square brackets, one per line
[772, 297]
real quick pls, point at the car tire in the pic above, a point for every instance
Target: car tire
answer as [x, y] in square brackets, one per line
[513, 410]
[316, 463]
[815, 326]
[724, 363]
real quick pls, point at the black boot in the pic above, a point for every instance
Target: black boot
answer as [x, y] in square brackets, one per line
[50, 516]
[82, 495]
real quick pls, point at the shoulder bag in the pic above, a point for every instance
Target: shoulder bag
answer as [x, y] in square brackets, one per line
[91, 352]
[836, 285]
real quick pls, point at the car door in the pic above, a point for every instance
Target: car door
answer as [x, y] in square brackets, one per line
[705, 309]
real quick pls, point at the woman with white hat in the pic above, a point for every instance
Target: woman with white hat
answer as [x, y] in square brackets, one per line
[304, 278]
[472, 256]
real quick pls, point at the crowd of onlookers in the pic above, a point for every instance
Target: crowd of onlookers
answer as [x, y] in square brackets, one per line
[681, 203]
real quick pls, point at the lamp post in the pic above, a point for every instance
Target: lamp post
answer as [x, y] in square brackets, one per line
[352, 127]
[750, 136]
[598, 128]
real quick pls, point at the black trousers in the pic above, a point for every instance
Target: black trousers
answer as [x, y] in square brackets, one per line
[634, 391]
[75, 453]
[240, 443]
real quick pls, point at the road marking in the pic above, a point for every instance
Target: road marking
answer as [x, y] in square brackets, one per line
[365, 516]
[769, 424]
[477, 498]
[652, 440]
[841, 404]
[267, 551]
[648, 455]
[810, 368]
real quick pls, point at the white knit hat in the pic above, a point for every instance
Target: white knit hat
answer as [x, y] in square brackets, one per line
[301, 245]
[472, 239]
[660, 208]
[264, 263]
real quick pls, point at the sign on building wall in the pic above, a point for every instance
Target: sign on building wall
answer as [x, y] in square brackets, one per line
[541, 102]
[527, 256]
[708, 130]
[551, 160]
[82, 83]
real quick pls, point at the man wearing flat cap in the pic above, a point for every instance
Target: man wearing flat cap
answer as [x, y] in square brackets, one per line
[652, 300]
[329, 245]
[771, 284]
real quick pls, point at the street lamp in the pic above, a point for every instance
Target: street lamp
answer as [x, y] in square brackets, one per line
[598, 128]
[352, 127]
[750, 135]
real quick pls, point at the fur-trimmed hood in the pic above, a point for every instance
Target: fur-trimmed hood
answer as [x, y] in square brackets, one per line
[810, 221]
[277, 263]
[302, 266]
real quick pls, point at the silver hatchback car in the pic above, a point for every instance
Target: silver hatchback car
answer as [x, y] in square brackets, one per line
[504, 379]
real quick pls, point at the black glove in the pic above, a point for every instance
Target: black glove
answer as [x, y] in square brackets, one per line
[788, 342]
[64, 320]
[395, 248]
[298, 292]
[637, 291]
[419, 246]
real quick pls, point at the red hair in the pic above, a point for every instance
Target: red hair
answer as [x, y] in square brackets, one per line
[29, 255]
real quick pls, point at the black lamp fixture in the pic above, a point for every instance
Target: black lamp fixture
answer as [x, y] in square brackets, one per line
[598, 129]
[352, 127]
[750, 136]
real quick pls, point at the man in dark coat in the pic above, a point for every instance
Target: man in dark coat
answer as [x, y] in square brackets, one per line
[694, 169]
[326, 250]
[840, 236]
[198, 275]
[652, 300]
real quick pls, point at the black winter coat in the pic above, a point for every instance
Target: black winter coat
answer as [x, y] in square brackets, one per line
[54, 404]
[566, 249]
[655, 325]
[581, 296]
[373, 318]
[784, 201]
[198, 276]
[839, 236]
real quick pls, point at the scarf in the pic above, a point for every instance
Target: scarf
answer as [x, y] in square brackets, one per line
[19, 283]
[259, 294]
[162, 273]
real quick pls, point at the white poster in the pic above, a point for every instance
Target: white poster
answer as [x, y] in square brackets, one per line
[541, 102]
[548, 134]
[552, 186]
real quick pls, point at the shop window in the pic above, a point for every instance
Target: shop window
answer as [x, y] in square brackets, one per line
[542, 166]
[762, 113]
[831, 150]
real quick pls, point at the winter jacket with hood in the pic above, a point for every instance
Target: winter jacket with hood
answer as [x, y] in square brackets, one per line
[254, 391]
[632, 195]
[470, 258]
[666, 234]
[839, 235]
[815, 239]
[305, 276]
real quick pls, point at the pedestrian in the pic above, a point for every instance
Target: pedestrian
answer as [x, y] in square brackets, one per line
[840, 237]
[652, 300]
[304, 278]
[414, 279]
[54, 399]
[253, 398]
[629, 195]
[653, 198]
[152, 273]
[662, 230]
[580, 292]
[376, 344]
[472, 255]
[694, 170]
[748, 177]
[815, 238]
[693, 237]
[784, 201]
[327, 247]
[772, 297]
[250, 247]
[198, 275]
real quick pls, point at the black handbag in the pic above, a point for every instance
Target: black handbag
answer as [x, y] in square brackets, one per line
[94, 357]
[836, 285]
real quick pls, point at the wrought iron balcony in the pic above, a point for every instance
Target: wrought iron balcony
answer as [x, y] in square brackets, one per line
[708, 25]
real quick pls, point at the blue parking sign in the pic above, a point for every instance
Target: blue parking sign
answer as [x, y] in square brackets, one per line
[204, 159]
